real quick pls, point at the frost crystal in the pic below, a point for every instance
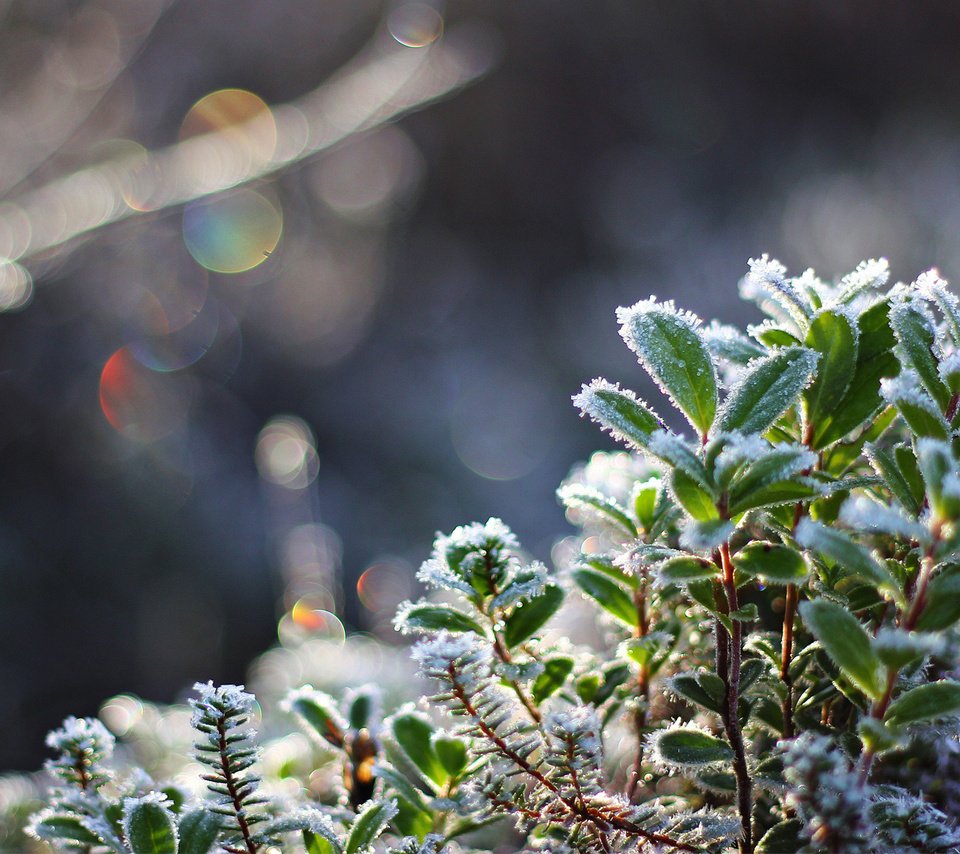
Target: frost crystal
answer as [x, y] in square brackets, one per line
[83, 744]
[869, 275]
[528, 583]
[895, 642]
[860, 512]
[949, 367]
[906, 388]
[438, 654]
[219, 701]
[82, 734]
[626, 314]
[594, 407]
[739, 449]
[767, 285]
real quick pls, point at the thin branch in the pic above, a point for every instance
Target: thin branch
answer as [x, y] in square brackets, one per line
[600, 819]
[731, 716]
[231, 784]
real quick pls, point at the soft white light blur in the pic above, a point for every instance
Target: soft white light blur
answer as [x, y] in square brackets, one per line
[285, 453]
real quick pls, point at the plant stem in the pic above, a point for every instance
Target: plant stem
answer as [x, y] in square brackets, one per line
[790, 617]
[601, 819]
[231, 785]
[504, 654]
[919, 602]
[786, 656]
[731, 717]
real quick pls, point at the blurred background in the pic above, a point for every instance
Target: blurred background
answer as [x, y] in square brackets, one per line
[289, 286]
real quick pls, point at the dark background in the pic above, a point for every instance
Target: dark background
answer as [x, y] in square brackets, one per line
[616, 149]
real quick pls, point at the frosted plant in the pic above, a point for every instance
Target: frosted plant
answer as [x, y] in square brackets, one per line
[221, 715]
[776, 588]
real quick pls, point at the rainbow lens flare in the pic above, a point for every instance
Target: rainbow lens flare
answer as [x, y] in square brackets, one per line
[232, 233]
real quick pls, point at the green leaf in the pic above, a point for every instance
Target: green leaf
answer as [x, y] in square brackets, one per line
[411, 822]
[885, 464]
[361, 708]
[729, 344]
[400, 786]
[66, 827]
[752, 670]
[907, 460]
[605, 565]
[645, 503]
[783, 837]
[555, 673]
[588, 686]
[527, 619]
[608, 594]
[688, 686]
[688, 747]
[702, 593]
[767, 390]
[696, 500]
[875, 360]
[925, 703]
[679, 454]
[680, 570]
[937, 463]
[672, 350]
[943, 603]
[198, 831]
[414, 732]
[452, 751]
[317, 710]
[774, 564]
[834, 337]
[778, 464]
[845, 641]
[149, 827]
[618, 411]
[746, 614]
[643, 650]
[852, 557]
[776, 336]
[916, 335]
[573, 496]
[706, 536]
[428, 617]
[918, 409]
[897, 648]
[317, 844]
[877, 737]
[368, 825]
[784, 492]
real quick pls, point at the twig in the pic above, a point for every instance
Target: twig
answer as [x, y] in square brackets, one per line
[731, 716]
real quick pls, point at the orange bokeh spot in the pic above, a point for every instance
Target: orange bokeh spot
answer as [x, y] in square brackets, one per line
[137, 402]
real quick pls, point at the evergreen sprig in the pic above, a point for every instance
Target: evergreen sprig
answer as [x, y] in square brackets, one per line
[221, 716]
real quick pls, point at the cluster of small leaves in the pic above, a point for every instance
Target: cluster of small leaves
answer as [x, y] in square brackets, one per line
[93, 809]
[820, 491]
[97, 811]
[778, 592]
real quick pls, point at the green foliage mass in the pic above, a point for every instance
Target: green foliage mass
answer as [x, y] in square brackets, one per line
[750, 647]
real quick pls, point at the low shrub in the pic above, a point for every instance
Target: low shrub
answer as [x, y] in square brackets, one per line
[770, 660]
